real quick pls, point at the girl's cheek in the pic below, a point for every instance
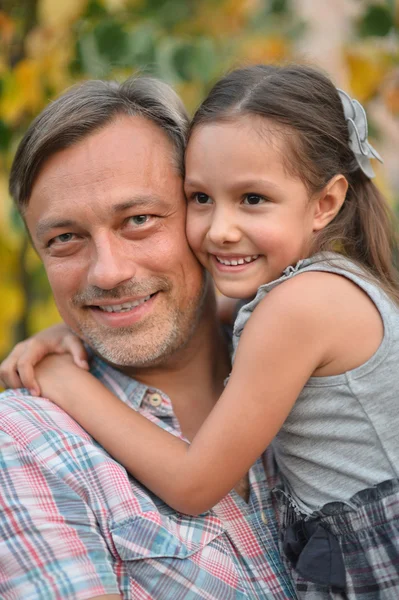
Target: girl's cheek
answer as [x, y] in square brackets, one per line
[196, 231]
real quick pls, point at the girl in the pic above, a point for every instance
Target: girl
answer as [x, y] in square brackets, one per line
[281, 209]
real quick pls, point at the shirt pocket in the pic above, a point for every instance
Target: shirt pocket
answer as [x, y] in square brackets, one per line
[154, 535]
[177, 556]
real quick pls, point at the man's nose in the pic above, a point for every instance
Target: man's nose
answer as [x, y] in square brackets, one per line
[110, 265]
[224, 228]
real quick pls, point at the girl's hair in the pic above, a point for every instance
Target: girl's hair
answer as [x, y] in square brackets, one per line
[308, 110]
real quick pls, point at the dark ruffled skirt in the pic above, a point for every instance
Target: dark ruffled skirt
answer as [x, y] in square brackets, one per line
[345, 551]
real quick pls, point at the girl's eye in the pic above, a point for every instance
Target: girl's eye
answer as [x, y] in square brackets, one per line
[201, 198]
[140, 219]
[254, 199]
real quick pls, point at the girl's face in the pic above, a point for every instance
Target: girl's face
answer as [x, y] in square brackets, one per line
[247, 218]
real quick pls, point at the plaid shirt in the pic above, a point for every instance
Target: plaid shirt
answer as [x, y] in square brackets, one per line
[74, 524]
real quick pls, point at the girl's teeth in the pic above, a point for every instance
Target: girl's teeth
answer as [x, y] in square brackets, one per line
[238, 261]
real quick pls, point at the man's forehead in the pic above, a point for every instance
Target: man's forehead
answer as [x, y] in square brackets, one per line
[130, 150]
[123, 140]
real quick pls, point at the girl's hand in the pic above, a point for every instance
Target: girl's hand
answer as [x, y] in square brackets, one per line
[60, 380]
[17, 370]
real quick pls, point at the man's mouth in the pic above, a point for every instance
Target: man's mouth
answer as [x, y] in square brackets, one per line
[233, 262]
[124, 307]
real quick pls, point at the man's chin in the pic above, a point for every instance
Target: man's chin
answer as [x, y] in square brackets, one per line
[126, 356]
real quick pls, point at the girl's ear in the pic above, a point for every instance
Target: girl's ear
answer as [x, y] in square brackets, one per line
[329, 202]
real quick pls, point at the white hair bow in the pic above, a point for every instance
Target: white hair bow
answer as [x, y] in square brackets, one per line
[356, 119]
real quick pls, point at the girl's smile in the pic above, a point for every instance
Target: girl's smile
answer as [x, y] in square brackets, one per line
[248, 218]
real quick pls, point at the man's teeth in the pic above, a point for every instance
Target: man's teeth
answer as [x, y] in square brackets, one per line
[125, 306]
[238, 261]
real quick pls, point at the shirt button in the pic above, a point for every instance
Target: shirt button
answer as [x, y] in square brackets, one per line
[155, 399]
[263, 517]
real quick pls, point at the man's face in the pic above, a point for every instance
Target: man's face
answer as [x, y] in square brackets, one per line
[107, 216]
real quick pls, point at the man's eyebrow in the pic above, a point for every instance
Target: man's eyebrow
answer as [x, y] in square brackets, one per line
[47, 224]
[141, 202]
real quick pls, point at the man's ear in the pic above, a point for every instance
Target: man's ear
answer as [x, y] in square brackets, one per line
[329, 202]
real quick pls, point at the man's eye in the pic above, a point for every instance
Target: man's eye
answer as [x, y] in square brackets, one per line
[254, 199]
[140, 219]
[201, 198]
[62, 238]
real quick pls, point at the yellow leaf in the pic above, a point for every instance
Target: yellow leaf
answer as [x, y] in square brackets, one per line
[368, 65]
[42, 314]
[22, 91]
[191, 92]
[390, 93]
[12, 305]
[53, 50]
[59, 13]
[265, 49]
[222, 18]
[7, 28]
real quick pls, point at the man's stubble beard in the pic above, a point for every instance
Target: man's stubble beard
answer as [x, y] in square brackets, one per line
[152, 342]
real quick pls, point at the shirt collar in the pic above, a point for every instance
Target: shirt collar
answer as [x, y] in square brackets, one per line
[126, 388]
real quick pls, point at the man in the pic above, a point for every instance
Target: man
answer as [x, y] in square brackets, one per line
[98, 180]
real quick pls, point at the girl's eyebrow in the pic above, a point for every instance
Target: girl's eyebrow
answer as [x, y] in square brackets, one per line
[245, 184]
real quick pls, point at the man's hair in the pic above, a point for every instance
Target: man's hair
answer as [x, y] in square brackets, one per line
[88, 107]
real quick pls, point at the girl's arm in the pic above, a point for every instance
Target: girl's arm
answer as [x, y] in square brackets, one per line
[280, 348]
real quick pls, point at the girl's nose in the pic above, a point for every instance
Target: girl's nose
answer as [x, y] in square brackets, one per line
[223, 228]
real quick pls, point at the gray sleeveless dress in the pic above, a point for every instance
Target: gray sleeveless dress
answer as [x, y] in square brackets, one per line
[338, 458]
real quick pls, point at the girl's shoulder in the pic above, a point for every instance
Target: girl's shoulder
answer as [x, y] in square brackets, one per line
[324, 296]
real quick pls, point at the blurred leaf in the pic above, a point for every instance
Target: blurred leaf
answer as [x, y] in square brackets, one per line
[378, 21]
[112, 42]
[16, 221]
[59, 13]
[42, 314]
[195, 61]
[367, 69]
[95, 10]
[390, 93]
[141, 45]
[22, 91]
[5, 136]
[265, 49]
[279, 6]
[165, 59]
[115, 6]
[88, 59]
[7, 28]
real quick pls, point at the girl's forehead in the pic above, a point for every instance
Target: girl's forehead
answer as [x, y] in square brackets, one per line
[253, 130]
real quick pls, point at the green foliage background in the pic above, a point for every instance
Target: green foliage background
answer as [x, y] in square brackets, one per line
[47, 45]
